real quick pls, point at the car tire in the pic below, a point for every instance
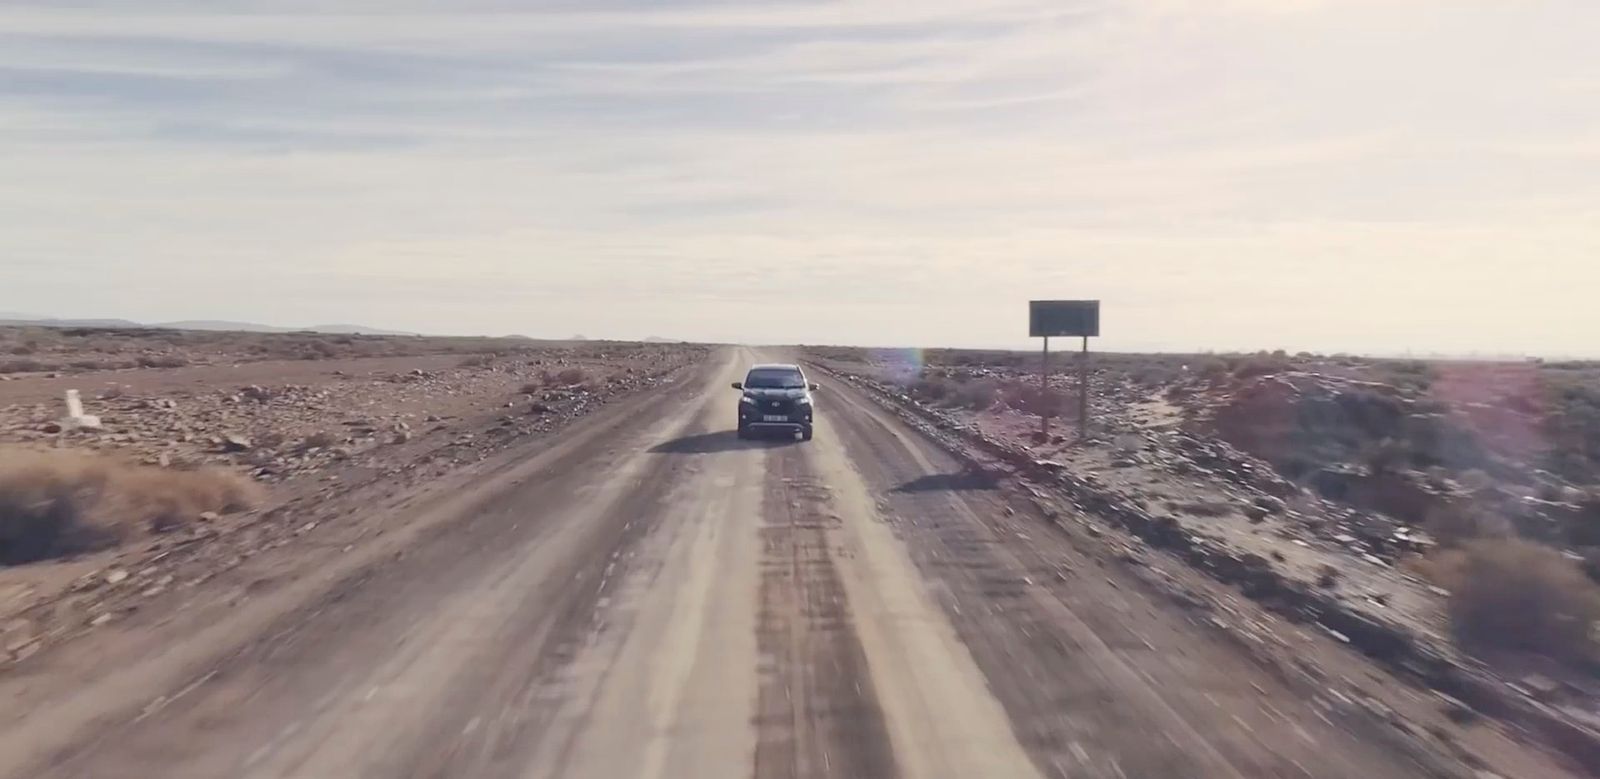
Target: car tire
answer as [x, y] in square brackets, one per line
[744, 432]
[805, 433]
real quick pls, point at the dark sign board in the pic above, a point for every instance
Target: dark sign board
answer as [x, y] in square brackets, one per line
[1063, 317]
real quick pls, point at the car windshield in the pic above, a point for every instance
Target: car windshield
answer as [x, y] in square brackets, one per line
[775, 378]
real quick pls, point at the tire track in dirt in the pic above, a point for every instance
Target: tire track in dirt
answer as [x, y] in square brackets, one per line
[664, 684]
[1099, 681]
[395, 670]
[941, 717]
[819, 714]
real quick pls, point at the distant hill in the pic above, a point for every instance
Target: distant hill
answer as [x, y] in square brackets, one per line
[14, 319]
[214, 324]
[18, 319]
[355, 330]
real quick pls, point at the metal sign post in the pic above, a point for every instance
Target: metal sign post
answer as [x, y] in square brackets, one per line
[1083, 391]
[1044, 390]
[1048, 318]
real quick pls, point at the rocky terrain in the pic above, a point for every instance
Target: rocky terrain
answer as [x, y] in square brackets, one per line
[1435, 516]
[30, 350]
[313, 437]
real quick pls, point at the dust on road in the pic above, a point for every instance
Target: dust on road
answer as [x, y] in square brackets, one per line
[648, 596]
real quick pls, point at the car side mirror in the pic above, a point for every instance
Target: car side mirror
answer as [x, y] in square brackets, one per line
[816, 387]
[738, 385]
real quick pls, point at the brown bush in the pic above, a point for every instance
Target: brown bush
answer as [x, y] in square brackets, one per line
[55, 503]
[1510, 594]
[571, 377]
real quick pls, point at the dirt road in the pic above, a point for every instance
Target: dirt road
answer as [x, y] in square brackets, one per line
[648, 596]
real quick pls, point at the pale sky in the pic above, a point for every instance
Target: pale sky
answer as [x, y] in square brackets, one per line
[1333, 175]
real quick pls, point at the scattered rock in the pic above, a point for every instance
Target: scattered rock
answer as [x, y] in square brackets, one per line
[1270, 504]
[1458, 711]
[116, 576]
[1539, 686]
[234, 442]
[1327, 576]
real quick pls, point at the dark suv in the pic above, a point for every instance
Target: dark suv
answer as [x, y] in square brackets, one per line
[776, 397]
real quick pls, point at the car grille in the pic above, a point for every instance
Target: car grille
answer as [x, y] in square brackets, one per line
[775, 405]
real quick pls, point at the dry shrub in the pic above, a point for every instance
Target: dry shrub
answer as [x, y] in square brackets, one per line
[976, 395]
[1212, 368]
[1031, 399]
[1261, 364]
[1388, 456]
[476, 361]
[571, 377]
[319, 350]
[162, 361]
[531, 388]
[1516, 595]
[21, 365]
[56, 503]
[932, 389]
[1454, 525]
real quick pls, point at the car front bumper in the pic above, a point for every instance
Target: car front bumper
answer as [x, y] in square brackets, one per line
[755, 417]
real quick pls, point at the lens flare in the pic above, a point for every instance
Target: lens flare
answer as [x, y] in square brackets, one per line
[904, 365]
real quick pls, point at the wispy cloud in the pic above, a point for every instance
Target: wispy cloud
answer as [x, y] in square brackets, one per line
[685, 167]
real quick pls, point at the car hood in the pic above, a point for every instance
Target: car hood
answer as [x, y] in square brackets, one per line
[775, 394]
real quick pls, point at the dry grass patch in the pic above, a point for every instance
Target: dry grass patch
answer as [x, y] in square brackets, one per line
[1512, 595]
[55, 503]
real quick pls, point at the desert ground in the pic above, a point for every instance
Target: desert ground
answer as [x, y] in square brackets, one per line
[302, 555]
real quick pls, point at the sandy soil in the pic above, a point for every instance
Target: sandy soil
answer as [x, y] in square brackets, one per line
[642, 594]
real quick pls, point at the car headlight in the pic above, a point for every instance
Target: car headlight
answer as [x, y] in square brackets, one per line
[748, 399]
[803, 401]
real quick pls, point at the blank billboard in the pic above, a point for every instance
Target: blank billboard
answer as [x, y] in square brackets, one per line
[1063, 317]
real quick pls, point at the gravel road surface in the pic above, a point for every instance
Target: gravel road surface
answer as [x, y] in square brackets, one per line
[646, 595]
